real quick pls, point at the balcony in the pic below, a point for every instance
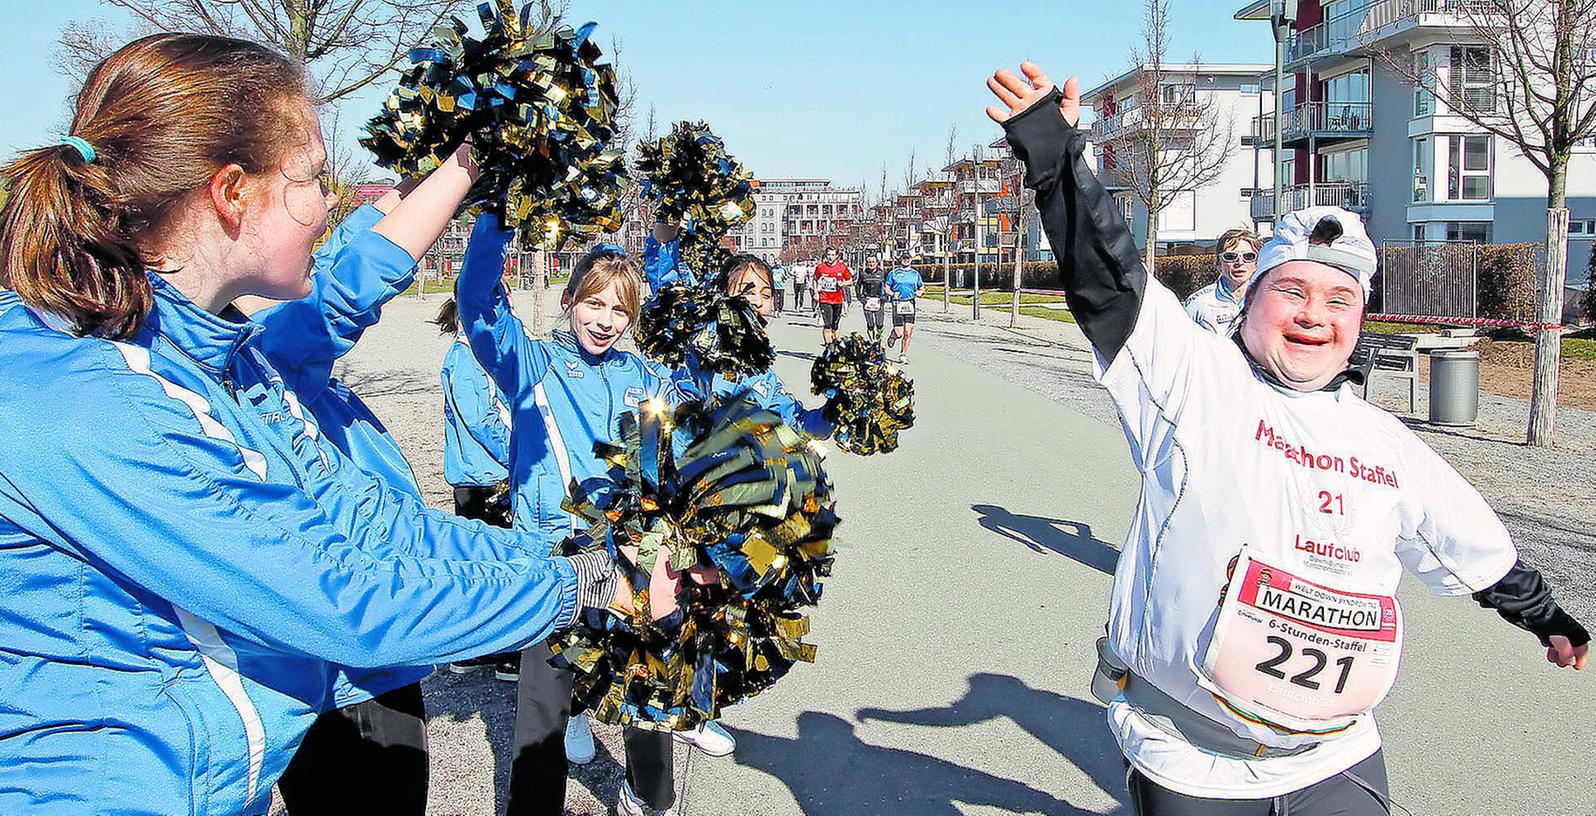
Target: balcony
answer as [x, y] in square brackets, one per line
[1364, 25]
[1348, 195]
[1323, 121]
[988, 187]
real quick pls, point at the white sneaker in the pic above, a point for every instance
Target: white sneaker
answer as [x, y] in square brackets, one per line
[579, 748]
[709, 738]
[630, 805]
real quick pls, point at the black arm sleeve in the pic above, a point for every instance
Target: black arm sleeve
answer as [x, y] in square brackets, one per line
[1523, 599]
[1103, 276]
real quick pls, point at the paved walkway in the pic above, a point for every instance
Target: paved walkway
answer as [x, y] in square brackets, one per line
[956, 635]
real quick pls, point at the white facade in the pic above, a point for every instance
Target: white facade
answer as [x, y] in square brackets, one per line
[1193, 216]
[1361, 136]
[807, 214]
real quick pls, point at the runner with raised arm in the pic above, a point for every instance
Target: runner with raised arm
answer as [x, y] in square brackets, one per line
[1248, 642]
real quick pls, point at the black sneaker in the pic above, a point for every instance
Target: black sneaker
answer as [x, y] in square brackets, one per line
[508, 668]
[468, 666]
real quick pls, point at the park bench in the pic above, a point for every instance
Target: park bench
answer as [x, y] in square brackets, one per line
[1394, 353]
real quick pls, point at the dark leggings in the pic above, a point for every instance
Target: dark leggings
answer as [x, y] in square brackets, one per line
[366, 758]
[1358, 791]
[538, 772]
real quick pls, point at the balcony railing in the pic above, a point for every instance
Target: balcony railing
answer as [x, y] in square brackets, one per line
[988, 186]
[1357, 26]
[1349, 195]
[1318, 118]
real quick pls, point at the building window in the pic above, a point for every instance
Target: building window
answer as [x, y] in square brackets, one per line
[1582, 229]
[1421, 170]
[1469, 168]
[1250, 89]
[1473, 85]
[1477, 231]
[1347, 165]
[1418, 233]
[1423, 100]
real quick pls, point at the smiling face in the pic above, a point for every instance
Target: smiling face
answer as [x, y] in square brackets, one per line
[873, 264]
[599, 318]
[755, 288]
[1302, 321]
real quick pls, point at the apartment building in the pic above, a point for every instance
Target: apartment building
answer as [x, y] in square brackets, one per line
[1358, 135]
[1235, 96]
[805, 214]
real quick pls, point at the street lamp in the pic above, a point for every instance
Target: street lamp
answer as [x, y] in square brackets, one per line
[1282, 18]
[975, 265]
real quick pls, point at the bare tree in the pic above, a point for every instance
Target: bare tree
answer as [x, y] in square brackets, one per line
[1178, 141]
[1526, 74]
[951, 150]
[346, 44]
[909, 172]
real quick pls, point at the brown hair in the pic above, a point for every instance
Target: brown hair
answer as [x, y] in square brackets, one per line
[597, 270]
[737, 265]
[1233, 235]
[162, 114]
[448, 319]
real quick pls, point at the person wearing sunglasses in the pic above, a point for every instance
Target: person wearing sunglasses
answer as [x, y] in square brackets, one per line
[1216, 305]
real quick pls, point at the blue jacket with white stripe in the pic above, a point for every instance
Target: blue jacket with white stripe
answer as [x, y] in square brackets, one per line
[561, 398]
[476, 421]
[356, 272]
[186, 559]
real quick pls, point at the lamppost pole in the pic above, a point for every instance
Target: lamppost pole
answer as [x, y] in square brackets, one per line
[1282, 17]
[975, 266]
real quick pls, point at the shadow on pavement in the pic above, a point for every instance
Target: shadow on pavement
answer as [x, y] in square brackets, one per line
[1071, 539]
[389, 383]
[831, 772]
[1076, 729]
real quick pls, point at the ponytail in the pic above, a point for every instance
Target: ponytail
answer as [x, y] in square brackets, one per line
[64, 247]
[151, 125]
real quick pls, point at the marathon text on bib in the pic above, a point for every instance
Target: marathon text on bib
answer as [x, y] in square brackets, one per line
[827, 283]
[1297, 656]
[905, 307]
[873, 304]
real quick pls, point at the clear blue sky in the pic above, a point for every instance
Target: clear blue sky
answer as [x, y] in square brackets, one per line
[826, 88]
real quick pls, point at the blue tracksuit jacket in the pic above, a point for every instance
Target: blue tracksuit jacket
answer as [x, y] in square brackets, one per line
[187, 559]
[767, 390]
[476, 429]
[561, 398]
[662, 264]
[357, 271]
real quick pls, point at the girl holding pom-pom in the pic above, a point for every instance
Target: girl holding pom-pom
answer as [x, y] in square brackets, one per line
[565, 395]
[188, 560]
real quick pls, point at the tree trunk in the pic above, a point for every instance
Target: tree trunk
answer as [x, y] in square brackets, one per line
[1151, 253]
[1019, 263]
[1549, 309]
[947, 264]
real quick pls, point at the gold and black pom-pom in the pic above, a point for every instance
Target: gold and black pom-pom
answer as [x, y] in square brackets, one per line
[539, 110]
[696, 185]
[870, 401]
[748, 497]
[721, 332]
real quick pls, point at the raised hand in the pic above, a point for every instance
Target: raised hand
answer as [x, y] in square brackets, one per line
[1017, 93]
[1564, 654]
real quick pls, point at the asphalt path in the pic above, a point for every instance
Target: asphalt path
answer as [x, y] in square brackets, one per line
[955, 637]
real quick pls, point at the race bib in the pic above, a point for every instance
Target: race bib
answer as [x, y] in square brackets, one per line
[904, 307]
[827, 284]
[1297, 656]
[872, 304]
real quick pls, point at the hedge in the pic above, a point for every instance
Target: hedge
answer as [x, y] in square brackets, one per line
[1506, 277]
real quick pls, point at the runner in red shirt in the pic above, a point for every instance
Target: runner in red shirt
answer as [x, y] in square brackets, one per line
[831, 278]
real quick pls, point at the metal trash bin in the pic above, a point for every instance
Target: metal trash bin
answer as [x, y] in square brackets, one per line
[1454, 387]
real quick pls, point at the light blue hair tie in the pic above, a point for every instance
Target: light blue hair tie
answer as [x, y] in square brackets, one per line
[85, 150]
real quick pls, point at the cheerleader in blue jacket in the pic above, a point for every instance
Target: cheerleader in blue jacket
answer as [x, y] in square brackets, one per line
[565, 394]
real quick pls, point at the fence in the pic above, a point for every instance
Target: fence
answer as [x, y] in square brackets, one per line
[1430, 278]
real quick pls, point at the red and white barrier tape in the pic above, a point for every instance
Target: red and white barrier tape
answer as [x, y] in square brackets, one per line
[1491, 322]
